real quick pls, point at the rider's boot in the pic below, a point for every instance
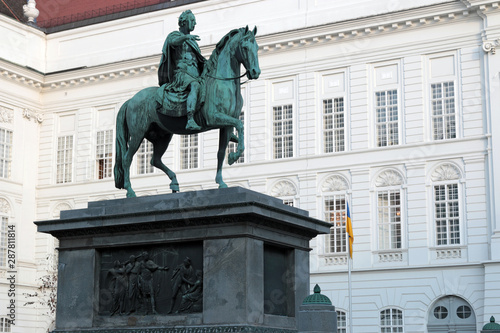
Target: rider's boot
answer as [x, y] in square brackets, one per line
[191, 124]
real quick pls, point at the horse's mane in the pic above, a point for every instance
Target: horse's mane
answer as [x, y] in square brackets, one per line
[211, 64]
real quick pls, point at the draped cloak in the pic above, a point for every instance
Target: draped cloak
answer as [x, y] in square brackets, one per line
[174, 80]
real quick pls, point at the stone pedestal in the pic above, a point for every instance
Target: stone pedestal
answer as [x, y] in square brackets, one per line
[123, 263]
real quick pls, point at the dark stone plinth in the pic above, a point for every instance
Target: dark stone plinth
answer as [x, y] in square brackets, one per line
[248, 252]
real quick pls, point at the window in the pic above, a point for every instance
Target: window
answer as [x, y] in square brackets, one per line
[464, 312]
[335, 213]
[443, 110]
[386, 110]
[289, 202]
[104, 154]
[391, 320]
[440, 312]
[232, 147]
[5, 325]
[341, 322]
[333, 125]
[447, 214]
[389, 219]
[4, 220]
[64, 159]
[144, 156]
[189, 151]
[5, 152]
[283, 131]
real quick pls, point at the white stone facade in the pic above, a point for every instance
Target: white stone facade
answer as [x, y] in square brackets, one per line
[382, 65]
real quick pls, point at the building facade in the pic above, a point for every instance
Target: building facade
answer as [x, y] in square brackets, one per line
[386, 107]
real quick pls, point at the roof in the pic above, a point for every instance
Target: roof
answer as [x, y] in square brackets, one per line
[64, 15]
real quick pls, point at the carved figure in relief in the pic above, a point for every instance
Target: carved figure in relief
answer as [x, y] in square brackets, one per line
[145, 282]
[183, 278]
[192, 300]
[118, 288]
[132, 270]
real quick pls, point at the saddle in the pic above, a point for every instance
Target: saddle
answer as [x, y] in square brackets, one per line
[173, 102]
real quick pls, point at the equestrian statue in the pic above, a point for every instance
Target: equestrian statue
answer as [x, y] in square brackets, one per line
[195, 95]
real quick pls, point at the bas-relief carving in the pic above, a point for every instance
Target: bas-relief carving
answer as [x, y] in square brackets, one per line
[144, 282]
[334, 183]
[4, 206]
[445, 172]
[56, 213]
[6, 115]
[30, 114]
[389, 178]
[283, 188]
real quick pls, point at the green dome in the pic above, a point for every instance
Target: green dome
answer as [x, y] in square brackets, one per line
[491, 326]
[316, 298]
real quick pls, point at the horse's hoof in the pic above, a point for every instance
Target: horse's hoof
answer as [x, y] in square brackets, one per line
[232, 158]
[222, 185]
[174, 188]
[234, 138]
[131, 194]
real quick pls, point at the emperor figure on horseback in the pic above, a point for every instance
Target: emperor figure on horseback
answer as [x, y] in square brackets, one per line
[180, 67]
[195, 95]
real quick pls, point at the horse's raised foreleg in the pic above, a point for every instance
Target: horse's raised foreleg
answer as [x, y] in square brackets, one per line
[133, 145]
[224, 135]
[160, 145]
[220, 119]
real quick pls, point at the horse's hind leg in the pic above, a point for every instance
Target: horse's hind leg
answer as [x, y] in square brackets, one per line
[160, 145]
[133, 145]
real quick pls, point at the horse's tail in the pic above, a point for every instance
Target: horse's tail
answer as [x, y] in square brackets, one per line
[121, 144]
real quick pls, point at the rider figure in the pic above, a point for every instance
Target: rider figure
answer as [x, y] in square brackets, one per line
[182, 63]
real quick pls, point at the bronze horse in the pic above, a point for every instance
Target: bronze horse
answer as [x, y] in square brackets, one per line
[138, 117]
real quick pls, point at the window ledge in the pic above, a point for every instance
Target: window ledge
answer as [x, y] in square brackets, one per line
[448, 252]
[393, 255]
[334, 259]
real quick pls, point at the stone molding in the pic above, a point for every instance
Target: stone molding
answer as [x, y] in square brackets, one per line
[453, 253]
[6, 115]
[389, 178]
[284, 188]
[56, 212]
[445, 172]
[4, 206]
[30, 114]
[334, 184]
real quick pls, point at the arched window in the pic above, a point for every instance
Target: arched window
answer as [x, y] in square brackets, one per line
[446, 203]
[389, 210]
[334, 202]
[391, 320]
[341, 321]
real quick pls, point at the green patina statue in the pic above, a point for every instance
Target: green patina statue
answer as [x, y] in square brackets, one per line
[180, 67]
[195, 95]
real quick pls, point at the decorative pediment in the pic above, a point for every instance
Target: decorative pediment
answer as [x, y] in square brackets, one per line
[389, 178]
[60, 207]
[284, 188]
[334, 183]
[445, 172]
[4, 206]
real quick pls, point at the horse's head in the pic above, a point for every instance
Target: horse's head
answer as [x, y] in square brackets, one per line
[247, 53]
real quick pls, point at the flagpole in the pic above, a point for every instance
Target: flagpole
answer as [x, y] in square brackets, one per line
[349, 287]
[350, 240]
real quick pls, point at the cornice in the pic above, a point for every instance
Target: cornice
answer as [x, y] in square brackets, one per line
[372, 26]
